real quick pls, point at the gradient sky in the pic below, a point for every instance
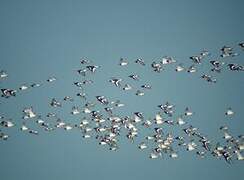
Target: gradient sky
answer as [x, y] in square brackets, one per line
[45, 38]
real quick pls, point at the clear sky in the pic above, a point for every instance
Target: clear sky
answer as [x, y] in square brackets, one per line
[39, 39]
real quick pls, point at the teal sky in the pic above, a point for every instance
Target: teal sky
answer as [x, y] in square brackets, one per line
[47, 38]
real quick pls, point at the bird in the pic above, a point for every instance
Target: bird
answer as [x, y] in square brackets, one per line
[55, 103]
[82, 72]
[8, 92]
[102, 100]
[142, 145]
[229, 112]
[140, 61]
[180, 121]
[35, 132]
[75, 110]
[158, 119]
[29, 113]
[236, 67]
[196, 59]
[127, 87]
[167, 60]
[241, 45]
[7, 123]
[188, 112]
[23, 87]
[192, 69]
[123, 62]
[134, 76]
[209, 78]
[4, 136]
[3, 74]
[116, 81]
[92, 68]
[240, 157]
[35, 85]
[157, 67]
[146, 86]
[24, 127]
[179, 68]
[140, 93]
[51, 79]
[84, 61]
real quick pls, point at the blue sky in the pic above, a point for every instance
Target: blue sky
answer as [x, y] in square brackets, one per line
[45, 38]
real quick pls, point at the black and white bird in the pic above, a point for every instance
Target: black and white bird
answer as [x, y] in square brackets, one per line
[116, 81]
[92, 68]
[140, 61]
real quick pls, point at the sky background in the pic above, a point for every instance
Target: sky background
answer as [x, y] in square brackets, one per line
[47, 38]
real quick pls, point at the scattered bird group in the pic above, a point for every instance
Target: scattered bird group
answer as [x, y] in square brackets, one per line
[101, 121]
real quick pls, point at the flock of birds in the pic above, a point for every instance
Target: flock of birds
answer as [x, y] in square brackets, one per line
[107, 127]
